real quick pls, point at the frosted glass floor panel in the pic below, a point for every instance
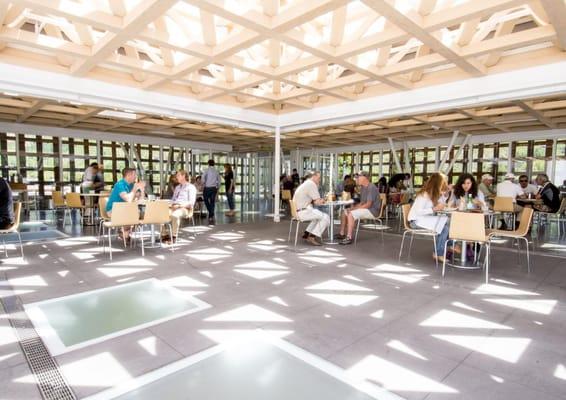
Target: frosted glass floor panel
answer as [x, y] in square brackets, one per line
[256, 369]
[75, 321]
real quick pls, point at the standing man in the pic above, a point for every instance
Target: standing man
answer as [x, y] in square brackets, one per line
[6, 205]
[90, 179]
[230, 188]
[296, 178]
[369, 207]
[305, 196]
[211, 183]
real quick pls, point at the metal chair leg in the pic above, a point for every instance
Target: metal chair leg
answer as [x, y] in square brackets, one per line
[297, 233]
[357, 230]
[487, 254]
[140, 230]
[21, 245]
[411, 243]
[444, 261]
[290, 229]
[528, 255]
[402, 243]
[435, 252]
[172, 241]
[110, 242]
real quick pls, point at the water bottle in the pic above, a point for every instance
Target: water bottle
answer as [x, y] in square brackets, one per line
[469, 203]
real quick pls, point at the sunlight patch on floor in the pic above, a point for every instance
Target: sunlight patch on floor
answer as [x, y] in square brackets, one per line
[249, 313]
[534, 305]
[451, 319]
[508, 349]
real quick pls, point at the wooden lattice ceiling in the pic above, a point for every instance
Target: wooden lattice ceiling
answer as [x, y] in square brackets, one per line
[281, 55]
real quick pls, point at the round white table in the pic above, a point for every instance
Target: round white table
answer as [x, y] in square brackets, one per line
[331, 205]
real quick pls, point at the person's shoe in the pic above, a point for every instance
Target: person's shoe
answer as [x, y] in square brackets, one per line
[339, 236]
[306, 235]
[312, 240]
[346, 241]
[439, 258]
[165, 238]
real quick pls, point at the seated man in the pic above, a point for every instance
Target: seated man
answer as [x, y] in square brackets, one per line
[486, 187]
[368, 208]
[526, 187]
[6, 205]
[182, 202]
[549, 194]
[508, 188]
[305, 196]
[125, 190]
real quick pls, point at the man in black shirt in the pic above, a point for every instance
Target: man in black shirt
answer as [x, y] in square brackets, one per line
[296, 178]
[549, 194]
[6, 205]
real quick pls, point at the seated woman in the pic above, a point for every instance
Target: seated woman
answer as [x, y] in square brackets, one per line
[431, 198]
[465, 194]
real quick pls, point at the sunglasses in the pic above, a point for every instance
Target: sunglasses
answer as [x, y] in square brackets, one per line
[523, 180]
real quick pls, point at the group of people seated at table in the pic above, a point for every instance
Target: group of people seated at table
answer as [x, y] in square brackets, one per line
[307, 197]
[130, 189]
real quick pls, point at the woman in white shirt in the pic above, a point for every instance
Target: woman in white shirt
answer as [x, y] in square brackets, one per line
[466, 186]
[431, 198]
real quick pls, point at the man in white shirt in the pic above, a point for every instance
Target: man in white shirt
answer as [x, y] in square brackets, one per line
[305, 196]
[526, 187]
[508, 188]
[182, 202]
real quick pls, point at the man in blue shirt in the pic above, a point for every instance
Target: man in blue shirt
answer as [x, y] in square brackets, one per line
[125, 190]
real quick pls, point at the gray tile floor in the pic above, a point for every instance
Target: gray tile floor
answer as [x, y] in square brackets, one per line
[399, 325]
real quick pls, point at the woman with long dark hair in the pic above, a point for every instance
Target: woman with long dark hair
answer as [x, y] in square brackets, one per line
[465, 193]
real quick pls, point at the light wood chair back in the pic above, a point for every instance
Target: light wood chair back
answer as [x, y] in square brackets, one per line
[562, 209]
[294, 213]
[156, 212]
[73, 200]
[467, 226]
[124, 214]
[525, 223]
[58, 199]
[102, 202]
[503, 204]
[286, 195]
[405, 208]
[18, 186]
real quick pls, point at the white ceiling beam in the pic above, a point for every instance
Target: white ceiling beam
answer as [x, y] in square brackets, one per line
[528, 107]
[118, 7]
[208, 28]
[270, 7]
[425, 7]
[338, 26]
[556, 12]
[504, 28]
[135, 21]
[414, 26]
[36, 105]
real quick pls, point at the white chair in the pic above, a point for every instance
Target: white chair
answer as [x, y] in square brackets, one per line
[123, 215]
[14, 228]
[378, 219]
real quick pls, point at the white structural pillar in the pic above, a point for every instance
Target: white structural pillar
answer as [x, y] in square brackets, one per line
[394, 154]
[553, 162]
[448, 150]
[460, 151]
[277, 162]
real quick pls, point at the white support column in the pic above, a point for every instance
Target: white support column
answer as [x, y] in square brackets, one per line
[436, 158]
[408, 163]
[460, 150]
[99, 152]
[188, 162]
[277, 162]
[19, 162]
[448, 150]
[380, 163]
[163, 175]
[299, 164]
[256, 174]
[394, 155]
[553, 162]
[510, 157]
[470, 158]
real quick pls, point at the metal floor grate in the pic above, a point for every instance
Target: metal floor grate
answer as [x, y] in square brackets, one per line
[50, 381]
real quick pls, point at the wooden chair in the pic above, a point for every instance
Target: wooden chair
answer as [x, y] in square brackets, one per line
[104, 217]
[14, 228]
[519, 234]
[156, 213]
[505, 206]
[73, 202]
[123, 215]
[469, 227]
[378, 219]
[285, 197]
[405, 208]
[58, 203]
[294, 219]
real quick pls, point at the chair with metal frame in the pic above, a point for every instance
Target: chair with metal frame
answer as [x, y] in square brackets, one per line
[58, 203]
[104, 217]
[519, 234]
[156, 213]
[559, 217]
[294, 219]
[285, 197]
[14, 228]
[378, 219]
[505, 206]
[405, 208]
[124, 214]
[468, 227]
[73, 202]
